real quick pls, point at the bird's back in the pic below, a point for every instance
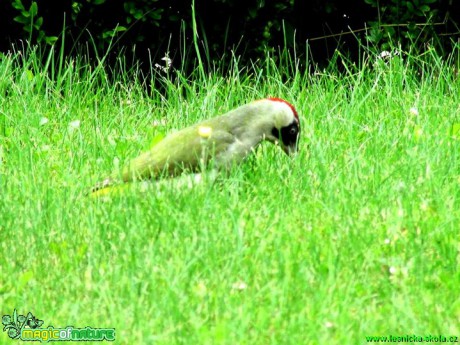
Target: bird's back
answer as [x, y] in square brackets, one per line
[189, 149]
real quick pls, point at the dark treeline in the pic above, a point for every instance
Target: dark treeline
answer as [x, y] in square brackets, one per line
[250, 28]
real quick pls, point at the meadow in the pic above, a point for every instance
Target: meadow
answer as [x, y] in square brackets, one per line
[357, 236]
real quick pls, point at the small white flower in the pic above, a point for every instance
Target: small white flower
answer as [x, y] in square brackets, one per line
[44, 121]
[413, 111]
[168, 64]
[392, 270]
[385, 54]
[240, 286]
[167, 60]
[73, 125]
[387, 241]
[328, 324]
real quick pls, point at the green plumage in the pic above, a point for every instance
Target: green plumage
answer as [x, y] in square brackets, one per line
[225, 139]
[185, 150]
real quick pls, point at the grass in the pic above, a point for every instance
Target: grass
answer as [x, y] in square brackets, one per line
[357, 236]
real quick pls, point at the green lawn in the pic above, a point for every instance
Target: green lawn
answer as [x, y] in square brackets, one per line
[357, 236]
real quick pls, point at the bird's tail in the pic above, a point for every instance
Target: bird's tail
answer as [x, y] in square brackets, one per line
[107, 187]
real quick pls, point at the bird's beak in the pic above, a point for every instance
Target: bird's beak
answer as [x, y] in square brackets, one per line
[290, 150]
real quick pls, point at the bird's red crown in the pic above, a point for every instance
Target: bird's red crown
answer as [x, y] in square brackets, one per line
[276, 99]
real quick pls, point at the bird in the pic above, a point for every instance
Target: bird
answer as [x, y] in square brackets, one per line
[221, 141]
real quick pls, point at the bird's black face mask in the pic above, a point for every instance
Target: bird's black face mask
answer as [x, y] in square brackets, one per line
[288, 136]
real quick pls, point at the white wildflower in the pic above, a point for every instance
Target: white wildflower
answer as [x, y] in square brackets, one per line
[385, 55]
[328, 324]
[239, 286]
[413, 111]
[44, 121]
[74, 125]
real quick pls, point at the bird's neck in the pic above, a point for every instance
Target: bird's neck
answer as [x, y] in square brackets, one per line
[251, 131]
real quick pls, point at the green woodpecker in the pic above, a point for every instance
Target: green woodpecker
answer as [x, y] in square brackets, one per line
[223, 140]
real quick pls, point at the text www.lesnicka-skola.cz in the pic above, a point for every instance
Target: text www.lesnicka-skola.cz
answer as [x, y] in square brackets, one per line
[413, 339]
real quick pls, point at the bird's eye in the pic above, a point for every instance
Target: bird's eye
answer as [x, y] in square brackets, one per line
[289, 134]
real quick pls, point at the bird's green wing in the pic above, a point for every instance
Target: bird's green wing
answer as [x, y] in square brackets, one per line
[190, 149]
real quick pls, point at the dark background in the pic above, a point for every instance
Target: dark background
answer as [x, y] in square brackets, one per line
[147, 30]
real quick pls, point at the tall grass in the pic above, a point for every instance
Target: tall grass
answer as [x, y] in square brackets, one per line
[357, 236]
